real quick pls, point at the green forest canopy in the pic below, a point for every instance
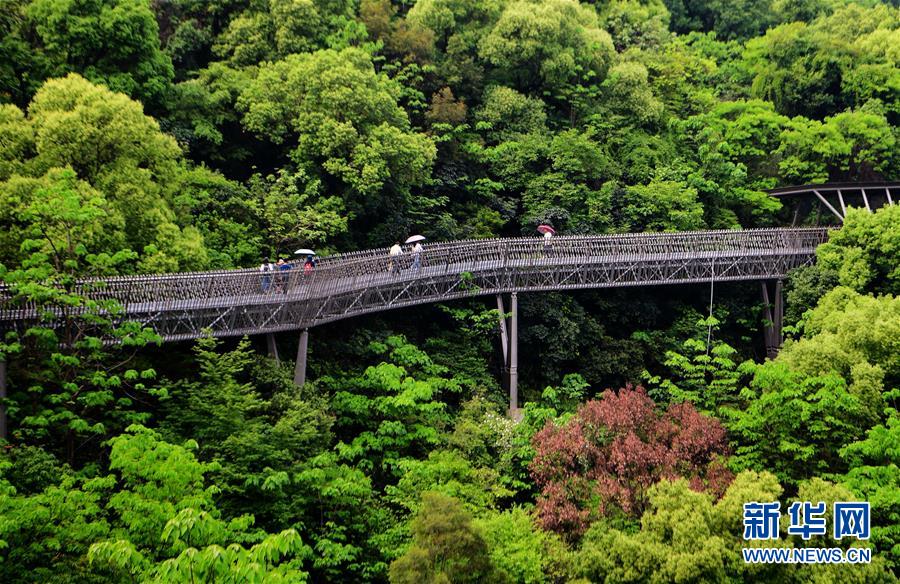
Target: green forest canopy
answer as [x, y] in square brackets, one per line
[147, 137]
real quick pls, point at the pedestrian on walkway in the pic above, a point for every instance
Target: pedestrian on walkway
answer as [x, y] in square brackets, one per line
[309, 265]
[548, 233]
[394, 262]
[416, 256]
[283, 278]
[266, 268]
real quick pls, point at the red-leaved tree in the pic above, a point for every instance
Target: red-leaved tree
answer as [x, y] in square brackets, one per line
[604, 459]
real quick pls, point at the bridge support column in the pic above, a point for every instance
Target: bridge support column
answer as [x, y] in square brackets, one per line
[272, 347]
[774, 317]
[514, 356]
[300, 363]
[779, 312]
[504, 337]
[3, 427]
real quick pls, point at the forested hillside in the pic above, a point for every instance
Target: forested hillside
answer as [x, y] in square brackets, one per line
[153, 136]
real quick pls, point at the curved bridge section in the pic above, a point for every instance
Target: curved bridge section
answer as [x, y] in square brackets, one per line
[838, 197]
[238, 302]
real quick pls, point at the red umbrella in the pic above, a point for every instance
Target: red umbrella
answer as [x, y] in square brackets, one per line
[546, 229]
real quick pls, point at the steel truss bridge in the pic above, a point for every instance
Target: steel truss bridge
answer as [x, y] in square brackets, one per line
[243, 302]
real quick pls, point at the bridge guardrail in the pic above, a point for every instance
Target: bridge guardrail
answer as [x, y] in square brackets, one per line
[341, 273]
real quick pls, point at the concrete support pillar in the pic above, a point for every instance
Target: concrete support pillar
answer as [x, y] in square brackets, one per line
[504, 337]
[300, 363]
[272, 347]
[779, 313]
[514, 355]
[4, 431]
[774, 319]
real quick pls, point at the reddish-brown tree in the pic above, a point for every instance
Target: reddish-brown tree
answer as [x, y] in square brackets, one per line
[603, 460]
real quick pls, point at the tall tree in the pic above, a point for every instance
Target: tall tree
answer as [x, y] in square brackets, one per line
[114, 42]
[602, 460]
[446, 546]
[343, 123]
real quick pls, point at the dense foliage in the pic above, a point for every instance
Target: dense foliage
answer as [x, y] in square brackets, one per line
[141, 136]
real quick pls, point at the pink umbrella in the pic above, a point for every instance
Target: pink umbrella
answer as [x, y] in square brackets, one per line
[546, 229]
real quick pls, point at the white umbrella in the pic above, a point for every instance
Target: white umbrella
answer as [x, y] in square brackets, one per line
[414, 238]
[304, 252]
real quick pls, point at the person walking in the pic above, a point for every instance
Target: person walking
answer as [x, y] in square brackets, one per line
[283, 277]
[394, 262]
[548, 235]
[266, 268]
[309, 265]
[416, 256]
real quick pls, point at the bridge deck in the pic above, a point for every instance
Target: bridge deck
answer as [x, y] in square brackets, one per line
[234, 302]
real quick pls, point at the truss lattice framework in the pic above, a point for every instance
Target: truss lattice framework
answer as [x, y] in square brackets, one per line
[238, 302]
[838, 197]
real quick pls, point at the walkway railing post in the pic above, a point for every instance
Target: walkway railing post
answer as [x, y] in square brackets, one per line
[300, 364]
[514, 355]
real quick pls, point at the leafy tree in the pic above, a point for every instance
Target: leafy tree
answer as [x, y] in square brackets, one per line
[520, 551]
[277, 28]
[853, 143]
[602, 461]
[857, 256]
[464, 347]
[636, 24]
[21, 69]
[450, 474]
[205, 121]
[488, 439]
[394, 411]
[256, 440]
[506, 113]
[554, 42]
[349, 530]
[72, 390]
[345, 120]
[746, 133]
[446, 546]
[294, 212]
[684, 536]
[113, 42]
[402, 38]
[111, 146]
[628, 99]
[793, 425]
[707, 376]
[661, 206]
[727, 18]
[152, 518]
[47, 534]
[854, 336]
[226, 215]
[802, 67]
[874, 476]
[863, 254]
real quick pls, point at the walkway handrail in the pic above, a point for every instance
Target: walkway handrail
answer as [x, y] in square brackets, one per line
[356, 270]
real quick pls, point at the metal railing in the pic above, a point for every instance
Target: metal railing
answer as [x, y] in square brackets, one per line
[365, 276]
